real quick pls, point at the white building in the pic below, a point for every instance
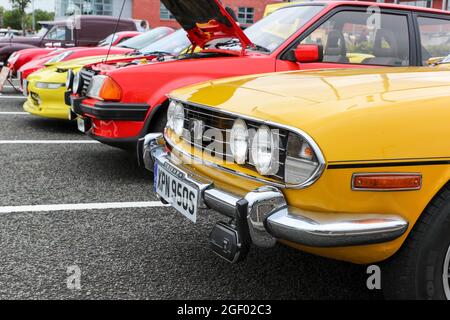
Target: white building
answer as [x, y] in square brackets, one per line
[95, 7]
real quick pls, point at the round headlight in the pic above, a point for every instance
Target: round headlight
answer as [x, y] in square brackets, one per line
[178, 119]
[170, 113]
[69, 79]
[264, 151]
[239, 141]
[77, 83]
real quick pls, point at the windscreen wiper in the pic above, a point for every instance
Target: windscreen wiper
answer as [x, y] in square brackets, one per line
[157, 53]
[227, 43]
[259, 48]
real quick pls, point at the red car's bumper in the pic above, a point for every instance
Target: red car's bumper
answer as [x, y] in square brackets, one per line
[116, 124]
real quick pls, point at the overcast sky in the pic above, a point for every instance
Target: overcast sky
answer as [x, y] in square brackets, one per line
[48, 5]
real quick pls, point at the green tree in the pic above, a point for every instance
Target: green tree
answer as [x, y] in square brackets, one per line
[39, 15]
[21, 5]
[2, 13]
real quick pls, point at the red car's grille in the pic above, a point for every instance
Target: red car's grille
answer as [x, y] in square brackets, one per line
[86, 75]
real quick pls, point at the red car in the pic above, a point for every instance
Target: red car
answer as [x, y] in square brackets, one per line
[121, 105]
[127, 46]
[21, 57]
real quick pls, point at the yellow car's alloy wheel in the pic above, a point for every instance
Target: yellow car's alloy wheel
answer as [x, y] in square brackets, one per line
[446, 275]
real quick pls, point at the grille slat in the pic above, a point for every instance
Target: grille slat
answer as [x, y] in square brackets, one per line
[86, 75]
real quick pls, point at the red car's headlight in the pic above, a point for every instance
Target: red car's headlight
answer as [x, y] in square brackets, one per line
[104, 88]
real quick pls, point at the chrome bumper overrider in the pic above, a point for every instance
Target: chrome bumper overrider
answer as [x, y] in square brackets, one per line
[270, 219]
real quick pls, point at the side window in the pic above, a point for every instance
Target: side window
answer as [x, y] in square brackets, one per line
[350, 37]
[434, 37]
[59, 33]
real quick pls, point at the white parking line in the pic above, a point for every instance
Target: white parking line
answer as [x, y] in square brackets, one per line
[48, 141]
[12, 97]
[81, 206]
[13, 112]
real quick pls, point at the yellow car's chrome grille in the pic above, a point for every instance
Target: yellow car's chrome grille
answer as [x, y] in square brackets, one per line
[218, 145]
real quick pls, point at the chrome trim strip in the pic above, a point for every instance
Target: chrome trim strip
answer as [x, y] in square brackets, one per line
[383, 174]
[317, 230]
[222, 202]
[320, 158]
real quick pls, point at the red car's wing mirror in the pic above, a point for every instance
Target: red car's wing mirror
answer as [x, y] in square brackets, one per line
[306, 53]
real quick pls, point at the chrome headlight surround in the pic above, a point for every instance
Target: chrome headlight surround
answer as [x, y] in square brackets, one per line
[304, 162]
[77, 83]
[239, 141]
[69, 79]
[170, 114]
[95, 86]
[178, 119]
[264, 151]
[316, 158]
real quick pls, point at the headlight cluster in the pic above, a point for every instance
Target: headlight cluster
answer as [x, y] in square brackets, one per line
[95, 87]
[175, 117]
[268, 149]
[259, 148]
[103, 87]
[284, 155]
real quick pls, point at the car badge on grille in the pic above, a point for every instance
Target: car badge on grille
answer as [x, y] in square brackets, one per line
[196, 128]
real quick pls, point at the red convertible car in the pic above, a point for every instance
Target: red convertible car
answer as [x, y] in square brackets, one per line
[128, 46]
[119, 106]
[21, 57]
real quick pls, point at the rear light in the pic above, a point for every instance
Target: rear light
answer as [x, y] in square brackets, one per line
[386, 181]
[110, 90]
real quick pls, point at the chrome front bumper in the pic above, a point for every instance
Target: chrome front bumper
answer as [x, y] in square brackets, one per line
[270, 218]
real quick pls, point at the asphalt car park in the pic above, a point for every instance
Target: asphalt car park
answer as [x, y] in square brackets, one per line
[69, 201]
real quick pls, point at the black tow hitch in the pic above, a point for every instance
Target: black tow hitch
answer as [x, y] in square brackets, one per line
[231, 240]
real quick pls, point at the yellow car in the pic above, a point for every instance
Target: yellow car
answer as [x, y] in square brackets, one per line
[46, 88]
[270, 8]
[348, 164]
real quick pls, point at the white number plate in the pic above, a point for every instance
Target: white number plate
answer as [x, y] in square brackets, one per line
[82, 125]
[179, 194]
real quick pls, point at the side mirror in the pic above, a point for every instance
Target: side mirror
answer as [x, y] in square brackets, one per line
[306, 53]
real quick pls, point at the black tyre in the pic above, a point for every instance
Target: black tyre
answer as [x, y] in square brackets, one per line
[420, 270]
[159, 122]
